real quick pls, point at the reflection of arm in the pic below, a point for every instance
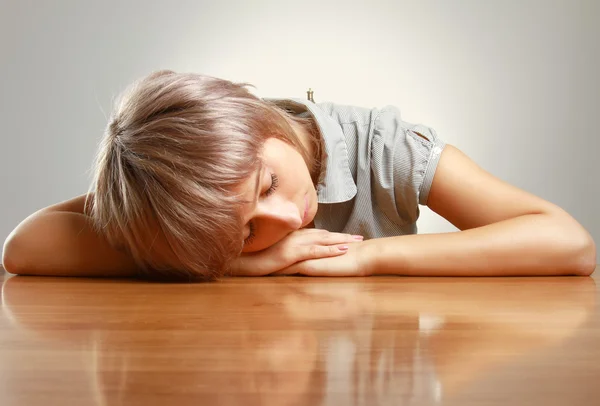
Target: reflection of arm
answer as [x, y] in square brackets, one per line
[489, 322]
[523, 301]
[59, 241]
[483, 322]
[494, 300]
[506, 328]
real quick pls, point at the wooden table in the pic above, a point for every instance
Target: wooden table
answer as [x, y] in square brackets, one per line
[301, 341]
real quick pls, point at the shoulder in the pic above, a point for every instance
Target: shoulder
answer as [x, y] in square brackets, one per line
[346, 114]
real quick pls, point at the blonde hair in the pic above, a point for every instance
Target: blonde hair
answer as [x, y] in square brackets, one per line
[176, 147]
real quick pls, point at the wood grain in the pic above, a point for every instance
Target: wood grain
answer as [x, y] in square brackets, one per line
[300, 341]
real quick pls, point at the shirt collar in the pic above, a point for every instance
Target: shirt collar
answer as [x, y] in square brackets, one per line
[338, 184]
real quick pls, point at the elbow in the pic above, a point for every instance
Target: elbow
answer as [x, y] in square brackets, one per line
[589, 262]
[8, 262]
[11, 258]
[573, 246]
[16, 257]
[585, 256]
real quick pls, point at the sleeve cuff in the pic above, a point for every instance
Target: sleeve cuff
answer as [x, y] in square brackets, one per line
[437, 146]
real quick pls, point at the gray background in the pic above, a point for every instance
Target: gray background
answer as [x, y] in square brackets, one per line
[514, 84]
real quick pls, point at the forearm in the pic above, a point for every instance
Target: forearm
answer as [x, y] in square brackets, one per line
[534, 244]
[62, 244]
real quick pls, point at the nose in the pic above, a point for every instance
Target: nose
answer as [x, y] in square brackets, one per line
[283, 212]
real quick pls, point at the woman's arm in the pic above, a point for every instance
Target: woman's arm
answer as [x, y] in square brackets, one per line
[506, 231]
[59, 241]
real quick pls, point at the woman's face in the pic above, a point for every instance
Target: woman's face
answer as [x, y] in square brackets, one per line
[281, 194]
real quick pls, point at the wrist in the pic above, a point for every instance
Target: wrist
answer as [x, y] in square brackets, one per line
[246, 265]
[369, 258]
[384, 256]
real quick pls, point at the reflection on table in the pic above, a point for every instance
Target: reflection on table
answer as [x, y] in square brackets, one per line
[277, 341]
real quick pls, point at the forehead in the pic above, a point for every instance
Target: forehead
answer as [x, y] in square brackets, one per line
[245, 189]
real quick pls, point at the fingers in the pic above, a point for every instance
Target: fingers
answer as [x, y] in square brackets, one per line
[339, 238]
[323, 251]
[319, 236]
[296, 247]
[321, 244]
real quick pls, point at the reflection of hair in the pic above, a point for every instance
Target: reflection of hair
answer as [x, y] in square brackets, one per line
[175, 148]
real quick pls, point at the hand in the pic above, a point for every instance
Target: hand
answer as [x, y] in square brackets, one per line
[354, 263]
[299, 245]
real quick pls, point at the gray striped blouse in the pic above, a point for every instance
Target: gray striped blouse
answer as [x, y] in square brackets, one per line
[379, 168]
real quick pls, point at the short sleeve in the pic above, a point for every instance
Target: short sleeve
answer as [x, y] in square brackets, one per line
[405, 158]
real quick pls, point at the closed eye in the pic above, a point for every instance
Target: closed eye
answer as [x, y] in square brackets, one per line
[251, 235]
[274, 184]
[268, 192]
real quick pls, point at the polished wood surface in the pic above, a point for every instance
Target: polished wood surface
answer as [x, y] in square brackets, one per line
[301, 341]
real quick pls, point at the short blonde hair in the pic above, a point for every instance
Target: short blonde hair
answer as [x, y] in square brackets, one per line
[175, 148]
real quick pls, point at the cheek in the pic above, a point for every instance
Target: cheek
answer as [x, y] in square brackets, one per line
[314, 203]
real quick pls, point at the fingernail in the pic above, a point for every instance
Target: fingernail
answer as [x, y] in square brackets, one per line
[343, 248]
[358, 237]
